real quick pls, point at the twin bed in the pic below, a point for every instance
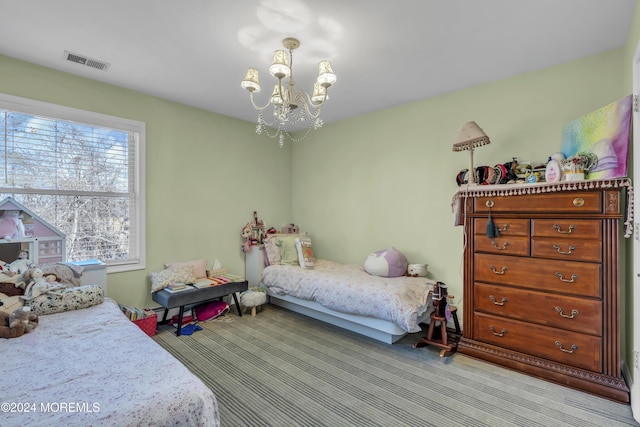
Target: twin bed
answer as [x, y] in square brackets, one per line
[92, 366]
[347, 296]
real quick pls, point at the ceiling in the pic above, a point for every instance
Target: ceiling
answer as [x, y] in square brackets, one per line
[385, 53]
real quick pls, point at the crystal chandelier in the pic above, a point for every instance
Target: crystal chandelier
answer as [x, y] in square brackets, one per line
[290, 106]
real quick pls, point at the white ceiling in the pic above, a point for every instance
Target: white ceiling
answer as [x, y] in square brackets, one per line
[385, 53]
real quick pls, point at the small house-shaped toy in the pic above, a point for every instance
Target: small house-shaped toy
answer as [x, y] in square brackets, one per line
[21, 229]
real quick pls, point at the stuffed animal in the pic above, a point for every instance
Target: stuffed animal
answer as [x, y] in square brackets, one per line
[11, 226]
[6, 331]
[39, 284]
[21, 264]
[24, 317]
[246, 233]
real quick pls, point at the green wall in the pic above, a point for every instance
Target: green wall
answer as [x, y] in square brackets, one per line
[387, 178]
[205, 175]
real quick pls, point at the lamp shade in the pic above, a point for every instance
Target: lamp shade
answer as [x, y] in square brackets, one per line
[251, 81]
[280, 66]
[326, 76]
[470, 136]
[319, 94]
[276, 97]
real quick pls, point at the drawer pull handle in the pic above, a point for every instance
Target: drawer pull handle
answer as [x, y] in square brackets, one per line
[505, 228]
[493, 300]
[493, 331]
[569, 252]
[574, 313]
[498, 272]
[571, 228]
[504, 246]
[573, 347]
[489, 203]
[573, 278]
[578, 201]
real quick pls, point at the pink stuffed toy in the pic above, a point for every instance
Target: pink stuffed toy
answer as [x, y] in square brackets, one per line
[11, 226]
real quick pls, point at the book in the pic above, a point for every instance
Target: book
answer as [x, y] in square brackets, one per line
[186, 288]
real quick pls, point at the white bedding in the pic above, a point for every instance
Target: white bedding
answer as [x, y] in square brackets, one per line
[349, 289]
[95, 367]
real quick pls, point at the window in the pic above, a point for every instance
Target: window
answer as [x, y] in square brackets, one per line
[82, 172]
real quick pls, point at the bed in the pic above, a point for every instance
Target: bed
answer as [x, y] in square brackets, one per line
[347, 296]
[93, 366]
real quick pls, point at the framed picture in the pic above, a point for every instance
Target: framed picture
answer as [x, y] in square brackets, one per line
[605, 133]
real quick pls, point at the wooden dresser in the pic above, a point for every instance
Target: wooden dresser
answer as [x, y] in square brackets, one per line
[542, 297]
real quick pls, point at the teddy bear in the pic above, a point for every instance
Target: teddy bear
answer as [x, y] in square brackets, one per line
[17, 323]
[11, 226]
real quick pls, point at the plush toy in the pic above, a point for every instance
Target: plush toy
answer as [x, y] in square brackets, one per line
[6, 331]
[386, 263]
[246, 233]
[39, 284]
[21, 264]
[11, 226]
[23, 317]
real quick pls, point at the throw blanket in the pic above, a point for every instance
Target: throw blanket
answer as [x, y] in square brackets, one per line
[350, 289]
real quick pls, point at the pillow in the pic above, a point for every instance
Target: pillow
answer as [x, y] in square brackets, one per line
[305, 252]
[67, 299]
[386, 263]
[288, 251]
[199, 267]
[211, 310]
[281, 249]
[271, 251]
[161, 279]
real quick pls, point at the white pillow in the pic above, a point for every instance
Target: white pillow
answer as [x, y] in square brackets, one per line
[199, 267]
[161, 279]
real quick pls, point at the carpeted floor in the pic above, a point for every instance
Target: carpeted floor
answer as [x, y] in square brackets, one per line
[285, 370]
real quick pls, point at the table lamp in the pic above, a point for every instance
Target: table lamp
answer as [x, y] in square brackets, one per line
[470, 136]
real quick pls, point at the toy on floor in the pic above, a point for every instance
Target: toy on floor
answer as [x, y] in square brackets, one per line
[442, 312]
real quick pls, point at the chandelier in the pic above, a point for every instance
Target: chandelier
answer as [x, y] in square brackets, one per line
[290, 106]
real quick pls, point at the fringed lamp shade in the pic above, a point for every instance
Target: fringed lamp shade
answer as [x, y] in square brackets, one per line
[470, 136]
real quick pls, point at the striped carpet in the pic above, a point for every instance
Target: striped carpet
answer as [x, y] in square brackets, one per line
[282, 369]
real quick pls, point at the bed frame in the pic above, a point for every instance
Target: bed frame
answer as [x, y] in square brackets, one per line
[378, 329]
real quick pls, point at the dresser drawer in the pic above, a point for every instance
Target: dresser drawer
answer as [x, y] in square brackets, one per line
[569, 202]
[570, 348]
[506, 226]
[505, 245]
[569, 249]
[569, 277]
[567, 228]
[571, 313]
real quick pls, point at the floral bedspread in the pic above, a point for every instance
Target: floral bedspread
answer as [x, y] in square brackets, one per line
[95, 367]
[350, 289]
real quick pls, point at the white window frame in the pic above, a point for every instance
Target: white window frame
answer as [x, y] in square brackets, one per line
[40, 108]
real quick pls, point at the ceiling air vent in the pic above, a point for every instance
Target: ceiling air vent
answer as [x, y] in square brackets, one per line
[86, 61]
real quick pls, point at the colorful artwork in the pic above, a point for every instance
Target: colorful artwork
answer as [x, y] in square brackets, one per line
[605, 133]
